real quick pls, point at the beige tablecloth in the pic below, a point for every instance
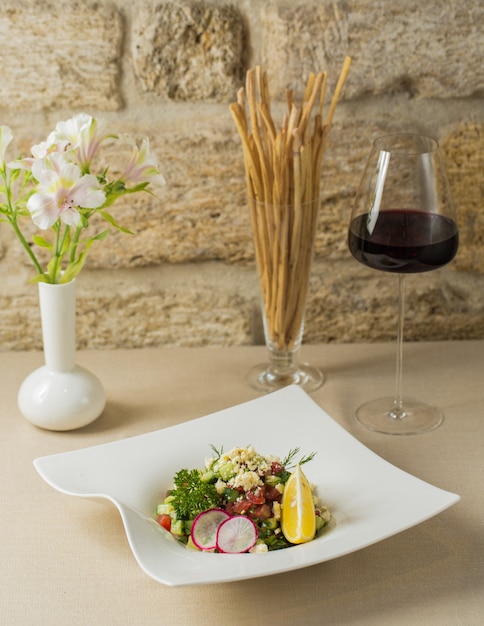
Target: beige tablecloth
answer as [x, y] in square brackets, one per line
[65, 560]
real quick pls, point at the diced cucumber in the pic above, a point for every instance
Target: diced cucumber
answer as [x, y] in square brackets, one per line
[272, 480]
[191, 545]
[208, 477]
[188, 526]
[178, 527]
[270, 523]
[226, 470]
[164, 509]
[231, 495]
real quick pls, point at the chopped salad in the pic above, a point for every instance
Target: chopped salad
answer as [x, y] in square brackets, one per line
[233, 503]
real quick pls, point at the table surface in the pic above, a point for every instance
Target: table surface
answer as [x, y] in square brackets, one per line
[66, 560]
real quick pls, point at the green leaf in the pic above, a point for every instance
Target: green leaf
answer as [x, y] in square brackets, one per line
[14, 174]
[21, 210]
[136, 188]
[84, 222]
[100, 236]
[53, 269]
[42, 243]
[73, 269]
[40, 278]
[110, 219]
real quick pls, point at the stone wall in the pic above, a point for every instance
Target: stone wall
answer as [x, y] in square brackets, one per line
[168, 70]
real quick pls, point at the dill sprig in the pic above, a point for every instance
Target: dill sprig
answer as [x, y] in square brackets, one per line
[217, 453]
[289, 461]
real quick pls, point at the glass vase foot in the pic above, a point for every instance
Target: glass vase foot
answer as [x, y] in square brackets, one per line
[266, 378]
[385, 416]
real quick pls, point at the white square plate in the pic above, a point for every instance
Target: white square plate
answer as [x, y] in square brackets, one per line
[367, 496]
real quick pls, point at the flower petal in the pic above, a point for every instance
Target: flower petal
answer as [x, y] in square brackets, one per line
[86, 193]
[143, 166]
[69, 215]
[44, 210]
[5, 138]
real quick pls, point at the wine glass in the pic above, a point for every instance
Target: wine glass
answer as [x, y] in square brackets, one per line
[403, 221]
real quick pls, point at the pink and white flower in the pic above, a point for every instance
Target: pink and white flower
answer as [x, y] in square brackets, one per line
[61, 191]
[81, 135]
[143, 166]
[59, 186]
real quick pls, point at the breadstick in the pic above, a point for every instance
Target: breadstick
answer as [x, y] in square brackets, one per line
[283, 172]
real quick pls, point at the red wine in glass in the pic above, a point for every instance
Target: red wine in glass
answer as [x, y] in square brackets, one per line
[404, 241]
[403, 221]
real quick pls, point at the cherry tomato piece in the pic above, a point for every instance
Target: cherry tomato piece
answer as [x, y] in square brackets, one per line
[164, 520]
[241, 506]
[256, 496]
[262, 512]
[272, 494]
[276, 468]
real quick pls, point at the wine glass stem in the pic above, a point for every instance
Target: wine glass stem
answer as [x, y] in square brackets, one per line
[398, 410]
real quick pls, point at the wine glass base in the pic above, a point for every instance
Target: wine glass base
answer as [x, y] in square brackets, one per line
[415, 417]
[265, 378]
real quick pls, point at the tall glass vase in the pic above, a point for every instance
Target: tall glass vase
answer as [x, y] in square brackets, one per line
[60, 395]
[284, 243]
[283, 175]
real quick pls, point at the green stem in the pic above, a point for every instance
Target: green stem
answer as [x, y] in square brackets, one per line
[75, 243]
[12, 218]
[28, 249]
[53, 271]
[59, 247]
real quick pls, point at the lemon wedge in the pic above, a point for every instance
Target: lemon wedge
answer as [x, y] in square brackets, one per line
[298, 519]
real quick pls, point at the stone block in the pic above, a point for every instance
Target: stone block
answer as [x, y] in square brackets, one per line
[420, 49]
[189, 51]
[141, 308]
[59, 55]
[463, 149]
[216, 304]
[349, 303]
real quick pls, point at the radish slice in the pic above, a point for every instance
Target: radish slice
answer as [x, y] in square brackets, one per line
[236, 534]
[205, 527]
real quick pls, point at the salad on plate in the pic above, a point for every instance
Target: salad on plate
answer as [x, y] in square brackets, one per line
[242, 501]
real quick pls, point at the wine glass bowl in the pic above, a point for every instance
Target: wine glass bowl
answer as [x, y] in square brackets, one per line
[403, 221]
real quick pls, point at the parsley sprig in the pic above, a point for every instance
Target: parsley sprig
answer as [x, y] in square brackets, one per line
[191, 495]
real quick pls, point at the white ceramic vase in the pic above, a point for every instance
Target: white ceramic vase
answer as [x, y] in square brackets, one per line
[60, 395]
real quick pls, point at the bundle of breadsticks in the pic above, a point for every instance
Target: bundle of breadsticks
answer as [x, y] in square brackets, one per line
[283, 173]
